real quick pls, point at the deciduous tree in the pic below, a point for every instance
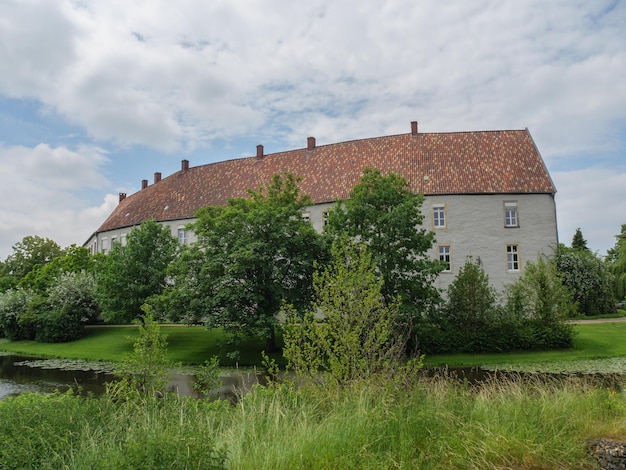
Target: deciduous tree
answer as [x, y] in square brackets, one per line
[385, 214]
[130, 274]
[257, 253]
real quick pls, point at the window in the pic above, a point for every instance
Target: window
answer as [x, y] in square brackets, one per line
[512, 257]
[325, 217]
[306, 217]
[105, 245]
[444, 255]
[439, 216]
[113, 241]
[123, 239]
[182, 235]
[510, 214]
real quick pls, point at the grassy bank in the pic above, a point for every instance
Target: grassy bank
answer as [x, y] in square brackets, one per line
[435, 424]
[186, 344]
[194, 345]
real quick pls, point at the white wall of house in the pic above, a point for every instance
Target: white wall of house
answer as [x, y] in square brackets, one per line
[473, 225]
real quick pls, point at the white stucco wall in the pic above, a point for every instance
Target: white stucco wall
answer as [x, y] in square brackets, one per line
[474, 227]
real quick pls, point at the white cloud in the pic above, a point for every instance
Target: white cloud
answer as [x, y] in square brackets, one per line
[172, 75]
[179, 76]
[593, 200]
[41, 194]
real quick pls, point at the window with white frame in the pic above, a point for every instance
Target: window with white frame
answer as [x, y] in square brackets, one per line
[182, 235]
[444, 256]
[105, 245]
[113, 241]
[439, 215]
[511, 218]
[512, 257]
[325, 217]
[123, 239]
[306, 217]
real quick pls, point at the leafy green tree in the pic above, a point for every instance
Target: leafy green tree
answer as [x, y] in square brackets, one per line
[540, 300]
[185, 299]
[578, 241]
[74, 260]
[616, 259]
[258, 253]
[31, 252]
[349, 331]
[385, 214]
[589, 280]
[6, 280]
[131, 274]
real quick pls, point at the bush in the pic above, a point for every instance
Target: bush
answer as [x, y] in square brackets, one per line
[589, 280]
[471, 321]
[14, 304]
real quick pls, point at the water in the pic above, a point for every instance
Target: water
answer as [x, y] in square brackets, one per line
[16, 376]
[20, 374]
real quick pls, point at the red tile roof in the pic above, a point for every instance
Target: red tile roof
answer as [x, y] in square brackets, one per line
[486, 162]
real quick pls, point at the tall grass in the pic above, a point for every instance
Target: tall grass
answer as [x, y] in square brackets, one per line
[428, 424]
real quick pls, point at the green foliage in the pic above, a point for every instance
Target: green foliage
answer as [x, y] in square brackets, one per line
[208, 378]
[616, 258]
[385, 214]
[131, 274]
[74, 260]
[540, 294]
[185, 300]
[145, 372]
[75, 293]
[14, 304]
[589, 280]
[358, 335]
[32, 251]
[256, 253]
[540, 299]
[578, 241]
[471, 320]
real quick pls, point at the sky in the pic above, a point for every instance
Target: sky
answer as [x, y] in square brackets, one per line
[96, 96]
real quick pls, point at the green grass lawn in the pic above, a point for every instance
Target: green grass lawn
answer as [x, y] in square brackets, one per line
[186, 344]
[194, 345]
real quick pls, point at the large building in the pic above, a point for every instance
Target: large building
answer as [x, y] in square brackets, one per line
[488, 194]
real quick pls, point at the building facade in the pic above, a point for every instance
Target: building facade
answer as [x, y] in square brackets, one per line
[488, 194]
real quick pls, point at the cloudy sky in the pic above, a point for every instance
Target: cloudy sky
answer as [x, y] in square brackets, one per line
[97, 95]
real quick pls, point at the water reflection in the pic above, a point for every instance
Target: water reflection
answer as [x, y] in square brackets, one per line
[20, 374]
[16, 376]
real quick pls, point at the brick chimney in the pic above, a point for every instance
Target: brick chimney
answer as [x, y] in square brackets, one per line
[259, 152]
[414, 128]
[184, 167]
[310, 143]
[122, 197]
[144, 184]
[157, 177]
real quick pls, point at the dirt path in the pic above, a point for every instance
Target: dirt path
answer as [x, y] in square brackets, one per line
[599, 320]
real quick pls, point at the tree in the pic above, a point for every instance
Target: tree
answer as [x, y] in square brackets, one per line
[385, 214]
[589, 280]
[32, 251]
[258, 253]
[540, 300]
[131, 274]
[349, 331]
[578, 242]
[616, 259]
[75, 259]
